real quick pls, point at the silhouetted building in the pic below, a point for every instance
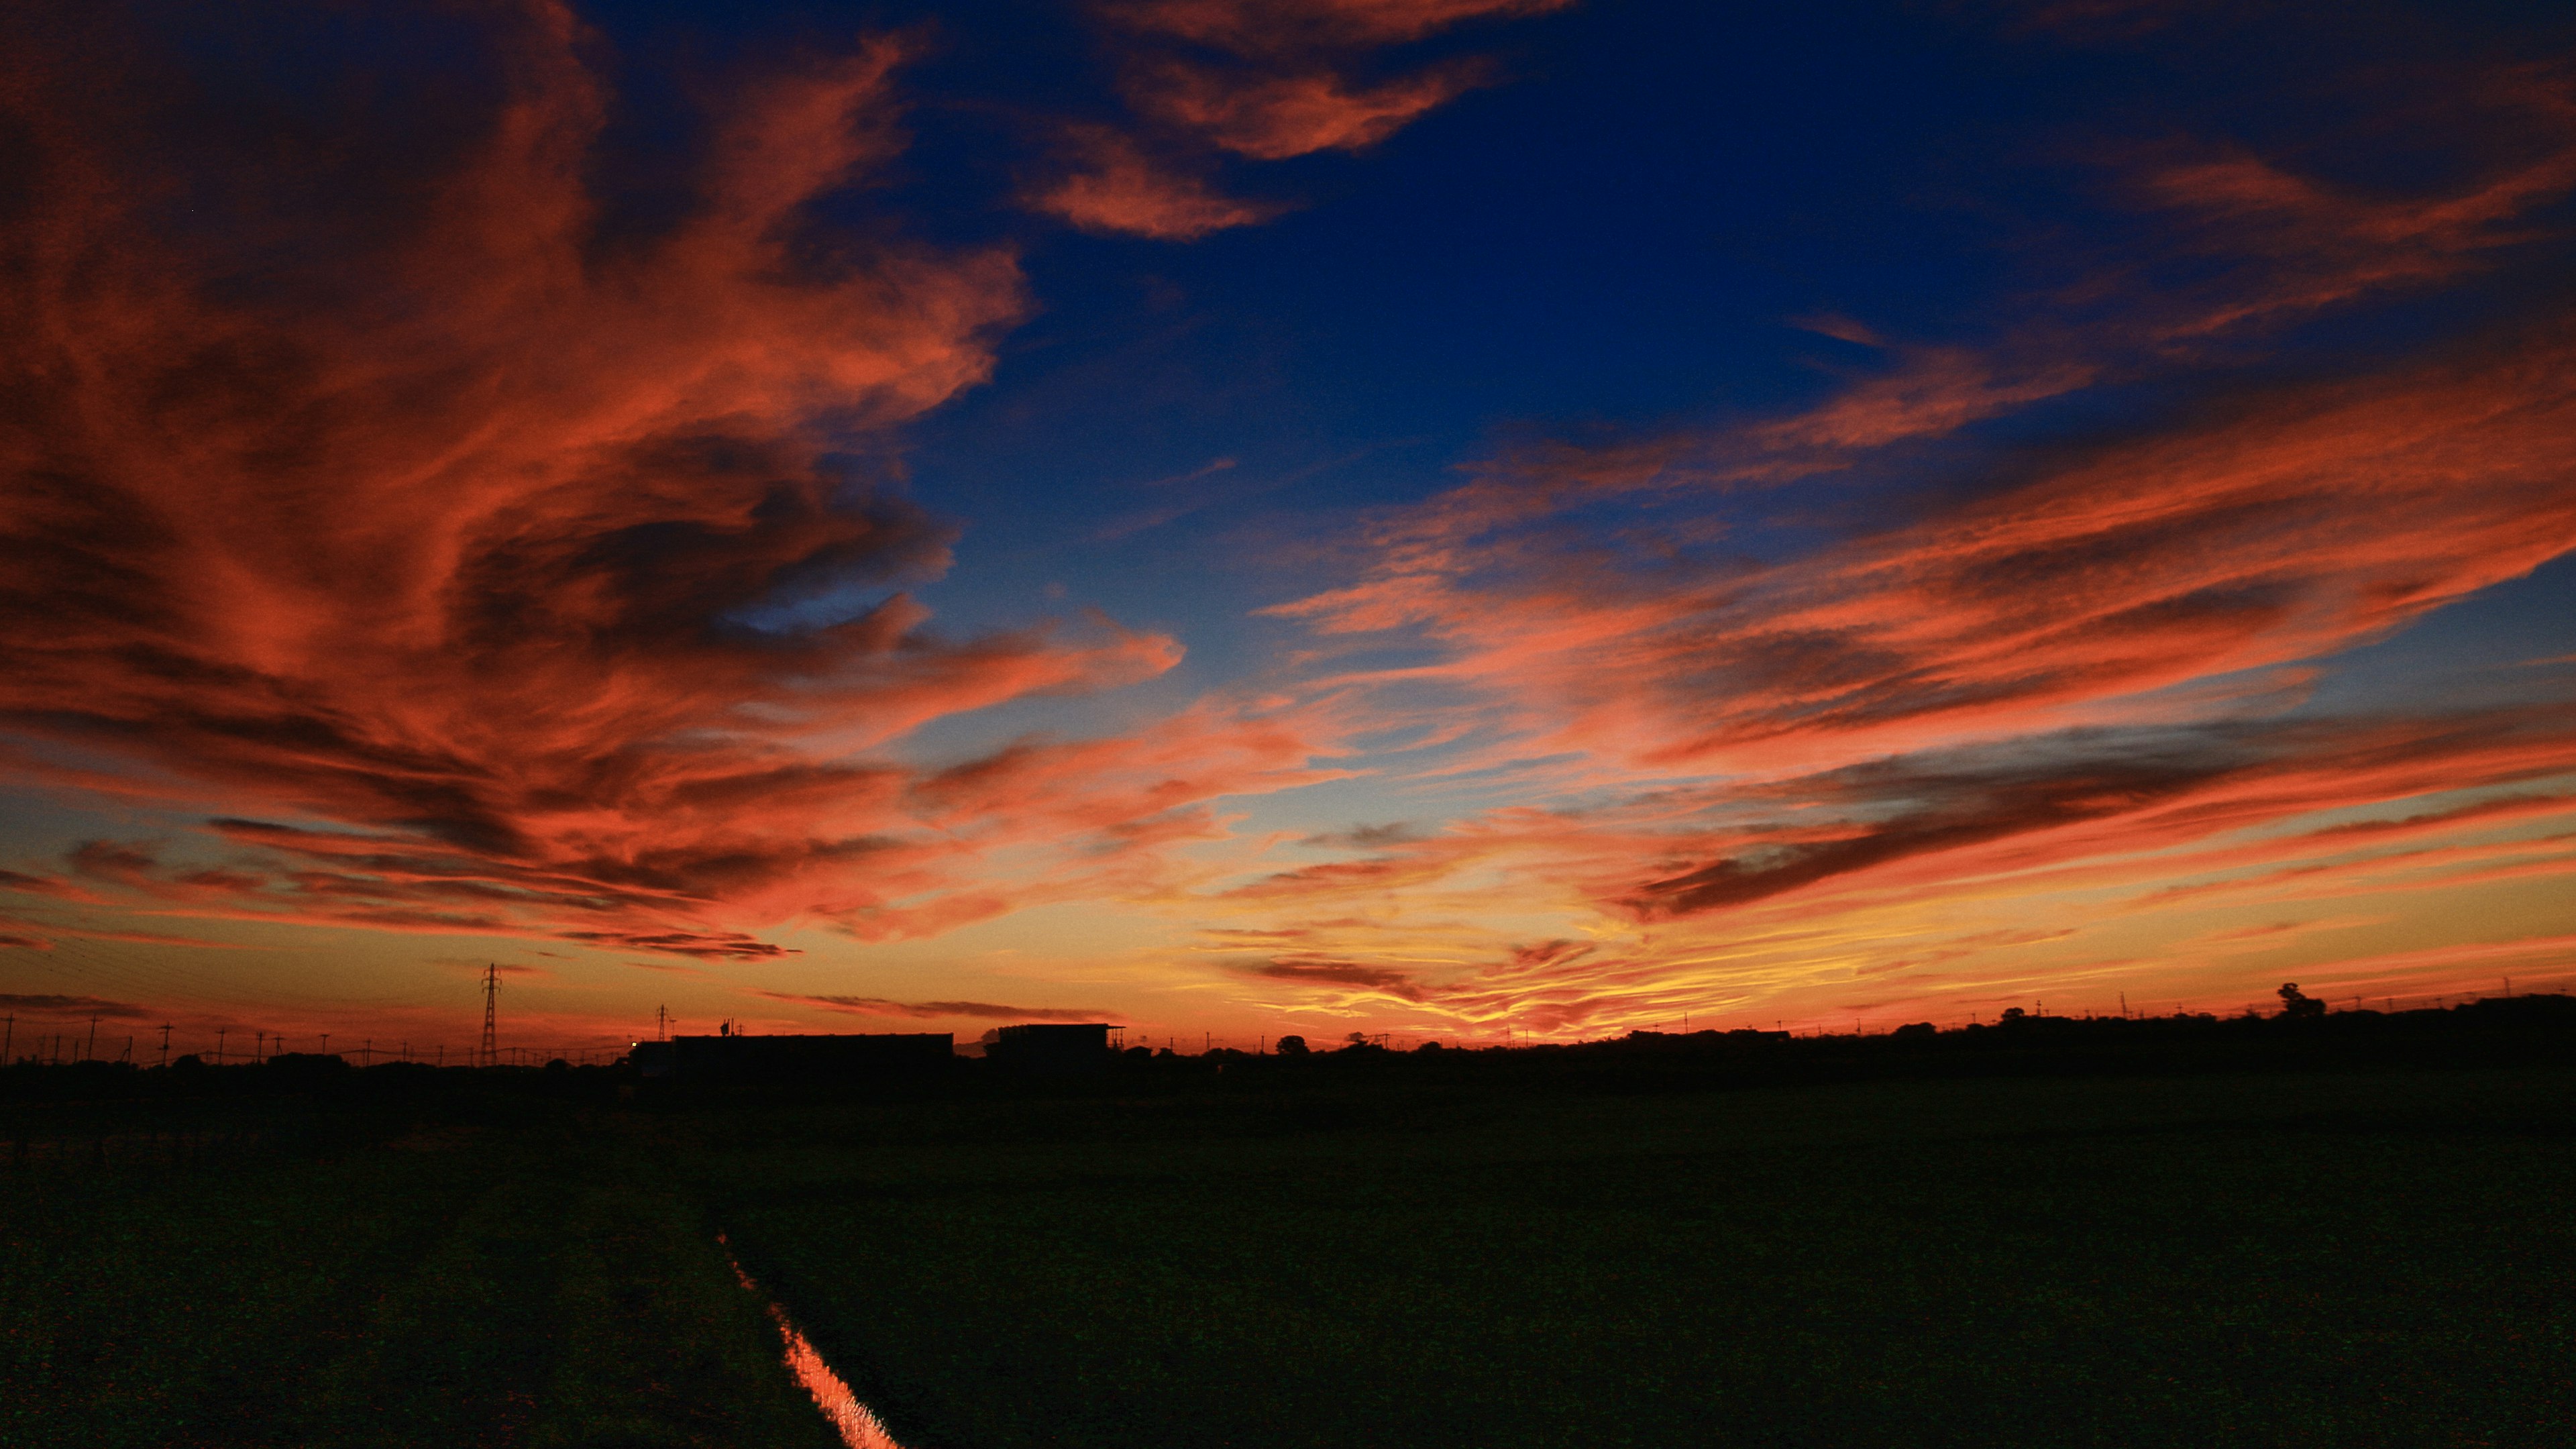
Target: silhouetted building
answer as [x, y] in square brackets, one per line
[795, 1058]
[1051, 1049]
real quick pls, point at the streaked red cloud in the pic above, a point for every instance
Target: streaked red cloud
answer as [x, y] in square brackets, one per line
[488, 559]
[2298, 243]
[80, 1007]
[1115, 186]
[938, 1010]
[2306, 521]
[2070, 683]
[1275, 117]
[2286, 524]
[1739, 892]
[1252, 27]
[1267, 81]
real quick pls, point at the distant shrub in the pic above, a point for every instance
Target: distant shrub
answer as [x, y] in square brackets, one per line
[1292, 1046]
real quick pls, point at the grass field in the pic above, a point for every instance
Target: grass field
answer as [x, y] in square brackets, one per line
[2288, 1259]
[512, 1281]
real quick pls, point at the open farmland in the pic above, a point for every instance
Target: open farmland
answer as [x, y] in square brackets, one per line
[476, 1268]
[1495, 1249]
[2214, 1260]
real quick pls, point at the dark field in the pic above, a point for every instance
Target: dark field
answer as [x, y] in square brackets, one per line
[2299, 1258]
[2304, 1260]
[481, 1272]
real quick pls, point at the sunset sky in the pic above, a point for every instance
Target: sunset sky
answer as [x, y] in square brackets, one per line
[1451, 518]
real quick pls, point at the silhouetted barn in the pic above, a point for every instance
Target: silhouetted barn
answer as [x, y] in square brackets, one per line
[795, 1058]
[1051, 1049]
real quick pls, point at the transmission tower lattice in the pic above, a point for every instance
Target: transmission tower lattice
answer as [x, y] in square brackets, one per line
[491, 1053]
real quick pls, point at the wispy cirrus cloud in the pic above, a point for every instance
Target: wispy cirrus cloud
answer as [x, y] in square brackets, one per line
[1113, 184]
[2303, 522]
[1273, 118]
[2292, 521]
[1267, 82]
[482, 555]
[1256, 27]
[2076, 677]
[51, 1004]
[937, 1010]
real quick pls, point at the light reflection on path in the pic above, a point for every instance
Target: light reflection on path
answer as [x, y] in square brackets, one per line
[860, 1428]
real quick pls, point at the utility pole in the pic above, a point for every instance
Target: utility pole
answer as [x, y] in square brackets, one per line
[165, 1043]
[219, 1044]
[326, 1043]
[91, 1049]
[367, 1053]
[491, 1005]
[259, 1046]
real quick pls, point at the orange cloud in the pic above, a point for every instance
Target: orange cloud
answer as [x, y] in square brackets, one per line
[483, 558]
[937, 1010]
[73, 1007]
[2295, 522]
[2298, 244]
[1727, 895]
[1267, 81]
[2076, 684]
[2309, 521]
[1115, 187]
[1273, 118]
[1254, 27]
